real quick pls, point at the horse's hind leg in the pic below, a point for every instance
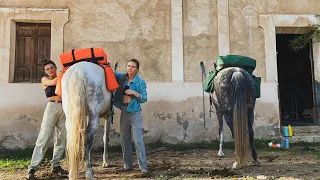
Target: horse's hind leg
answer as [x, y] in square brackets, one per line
[228, 116]
[220, 120]
[106, 161]
[91, 130]
[251, 135]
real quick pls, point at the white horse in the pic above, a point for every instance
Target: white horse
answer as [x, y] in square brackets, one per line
[84, 94]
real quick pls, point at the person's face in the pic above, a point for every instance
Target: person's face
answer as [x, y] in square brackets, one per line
[132, 68]
[50, 70]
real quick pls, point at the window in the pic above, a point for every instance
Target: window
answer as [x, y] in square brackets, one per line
[33, 44]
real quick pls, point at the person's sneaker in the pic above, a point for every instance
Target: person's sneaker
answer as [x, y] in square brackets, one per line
[31, 174]
[144, 172]
[128, 169]
[59, 171]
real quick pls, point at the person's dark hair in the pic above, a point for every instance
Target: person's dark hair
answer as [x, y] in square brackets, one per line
[46, 62]
[135, 61]
[124, 78]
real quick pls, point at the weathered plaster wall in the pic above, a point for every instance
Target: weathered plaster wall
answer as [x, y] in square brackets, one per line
[142, 29]
[247, 38]
[172, 117]
[138, 29]
[250, 36]
[200, 36]
[21, 110]
[130, 29]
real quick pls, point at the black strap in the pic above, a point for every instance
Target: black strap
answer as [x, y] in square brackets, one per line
[93, 57]
[86, 59]
[73, 57]
[210, 106]
[111, 108]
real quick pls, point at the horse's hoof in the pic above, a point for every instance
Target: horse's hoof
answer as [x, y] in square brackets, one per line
[220, 153]
[236, 165]
[89, 175]
[106, 165]
[256, 163]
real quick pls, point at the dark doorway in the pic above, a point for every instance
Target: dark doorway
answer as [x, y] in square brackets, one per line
[295, 83]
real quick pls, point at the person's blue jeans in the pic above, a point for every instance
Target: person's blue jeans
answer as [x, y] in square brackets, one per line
[132, 123]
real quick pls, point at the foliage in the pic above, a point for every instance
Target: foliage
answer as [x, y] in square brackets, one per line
[302, 41]
[11, 165]
[13, 159]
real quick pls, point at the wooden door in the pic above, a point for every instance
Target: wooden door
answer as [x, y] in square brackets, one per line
[33, 44]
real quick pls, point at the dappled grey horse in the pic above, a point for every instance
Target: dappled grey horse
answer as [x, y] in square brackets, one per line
[84, 94]
[234, 98]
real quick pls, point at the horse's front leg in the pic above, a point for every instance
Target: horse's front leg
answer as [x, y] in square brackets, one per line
[220, 120]
[106, 161]
[91, 130]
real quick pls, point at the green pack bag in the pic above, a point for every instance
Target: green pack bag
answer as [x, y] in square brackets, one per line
[258, 85]
[244, 62]
[208, 85]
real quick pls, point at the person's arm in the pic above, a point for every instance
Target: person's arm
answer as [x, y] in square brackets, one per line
[141, 95]
[119, 76]
[48, 82]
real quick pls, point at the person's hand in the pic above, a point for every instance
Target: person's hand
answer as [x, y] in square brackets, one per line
[130, 92]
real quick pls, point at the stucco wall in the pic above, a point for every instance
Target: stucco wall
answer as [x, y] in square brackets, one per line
[171, 117]
[21, 110]
[247, 38]
[200, 36]
[137, 29]
[143, 29]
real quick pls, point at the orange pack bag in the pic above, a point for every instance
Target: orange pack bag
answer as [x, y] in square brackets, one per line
[111, 80]
[94, 55]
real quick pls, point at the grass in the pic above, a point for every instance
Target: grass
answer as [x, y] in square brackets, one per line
[12, 165]
[13, 159]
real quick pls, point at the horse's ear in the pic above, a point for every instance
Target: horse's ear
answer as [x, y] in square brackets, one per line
[115, 66]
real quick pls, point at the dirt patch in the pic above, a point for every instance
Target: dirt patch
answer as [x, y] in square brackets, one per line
[299, 163]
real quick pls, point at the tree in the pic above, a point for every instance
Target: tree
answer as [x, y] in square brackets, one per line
[300, 42]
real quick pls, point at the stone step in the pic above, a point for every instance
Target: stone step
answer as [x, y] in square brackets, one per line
[305, 129]
[307, 138]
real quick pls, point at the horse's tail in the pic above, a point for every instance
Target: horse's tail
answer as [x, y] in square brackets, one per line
[76, 122]
[240, 116]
